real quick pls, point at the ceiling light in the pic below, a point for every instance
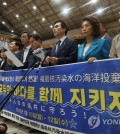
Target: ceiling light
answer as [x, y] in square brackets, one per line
[34, 7]
[94, 1]
[90, 2]
[99, 11]
[65, 11]
[12, 31]
[51, 26]
[43, 19]
[17, 16]
[34, 32]
[3, 22]
[4, 3]
[26, 25]
[57, 1]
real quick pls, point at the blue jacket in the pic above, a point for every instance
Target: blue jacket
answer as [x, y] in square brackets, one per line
[109, 40]
[99, 49]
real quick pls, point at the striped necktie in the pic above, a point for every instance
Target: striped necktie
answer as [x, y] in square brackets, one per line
[58, 46]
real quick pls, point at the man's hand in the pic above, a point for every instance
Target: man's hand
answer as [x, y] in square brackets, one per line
[53, 60]
[10, 62]
[45, 62]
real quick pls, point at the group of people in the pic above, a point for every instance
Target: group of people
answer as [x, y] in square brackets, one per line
[96, 46]
[65, 51]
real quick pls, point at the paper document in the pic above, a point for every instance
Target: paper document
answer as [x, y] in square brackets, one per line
[13, 58]
[39, 53]
[47, 58]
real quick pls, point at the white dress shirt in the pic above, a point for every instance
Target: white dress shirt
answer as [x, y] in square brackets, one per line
[26, 50]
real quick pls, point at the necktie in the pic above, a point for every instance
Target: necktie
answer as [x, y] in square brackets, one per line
[58, 46]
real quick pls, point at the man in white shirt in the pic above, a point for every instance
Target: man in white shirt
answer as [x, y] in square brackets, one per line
[104, 34]
[26, 52]
[115, 48]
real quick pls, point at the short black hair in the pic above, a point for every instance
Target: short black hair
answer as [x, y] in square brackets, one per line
[63, 25]
[17, 43]
[26, 33]
[36, 37]
[95, 23]
[6, 128]
[3, 49]
[103, 25]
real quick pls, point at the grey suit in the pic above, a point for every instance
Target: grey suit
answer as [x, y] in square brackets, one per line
[115, 48]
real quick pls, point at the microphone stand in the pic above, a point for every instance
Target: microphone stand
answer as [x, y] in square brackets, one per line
[40, 63]
[5, 100]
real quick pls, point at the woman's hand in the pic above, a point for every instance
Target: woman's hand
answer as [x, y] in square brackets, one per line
[90, 60]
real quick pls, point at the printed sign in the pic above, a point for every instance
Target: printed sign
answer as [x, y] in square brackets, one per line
[79, 98]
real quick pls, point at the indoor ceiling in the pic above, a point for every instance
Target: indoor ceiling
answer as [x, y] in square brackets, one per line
[39, 15]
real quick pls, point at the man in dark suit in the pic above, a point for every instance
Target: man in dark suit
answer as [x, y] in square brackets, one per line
[65, 50]
[3, 63]
[25, 53]
[16, 46]
[104, 35]
[36, 43]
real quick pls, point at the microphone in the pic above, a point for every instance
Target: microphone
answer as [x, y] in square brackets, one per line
[39, 53]
[36, 63]
[5, 100]
[41, 63]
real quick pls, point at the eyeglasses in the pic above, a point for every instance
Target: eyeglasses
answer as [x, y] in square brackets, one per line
[12, 44]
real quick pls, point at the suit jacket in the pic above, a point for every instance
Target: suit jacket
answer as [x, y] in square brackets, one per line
[5, 66]
[32, 60]
[99, 49]
[115, 48]
[67, 52]
[27, 63]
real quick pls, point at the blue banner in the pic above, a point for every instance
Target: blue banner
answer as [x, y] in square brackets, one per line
[71, 99]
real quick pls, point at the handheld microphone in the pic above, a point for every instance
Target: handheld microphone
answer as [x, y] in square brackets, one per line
[41, 62]
[5, 100]
[37, 63]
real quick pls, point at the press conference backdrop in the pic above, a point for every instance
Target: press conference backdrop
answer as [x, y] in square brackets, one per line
[71, 99]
